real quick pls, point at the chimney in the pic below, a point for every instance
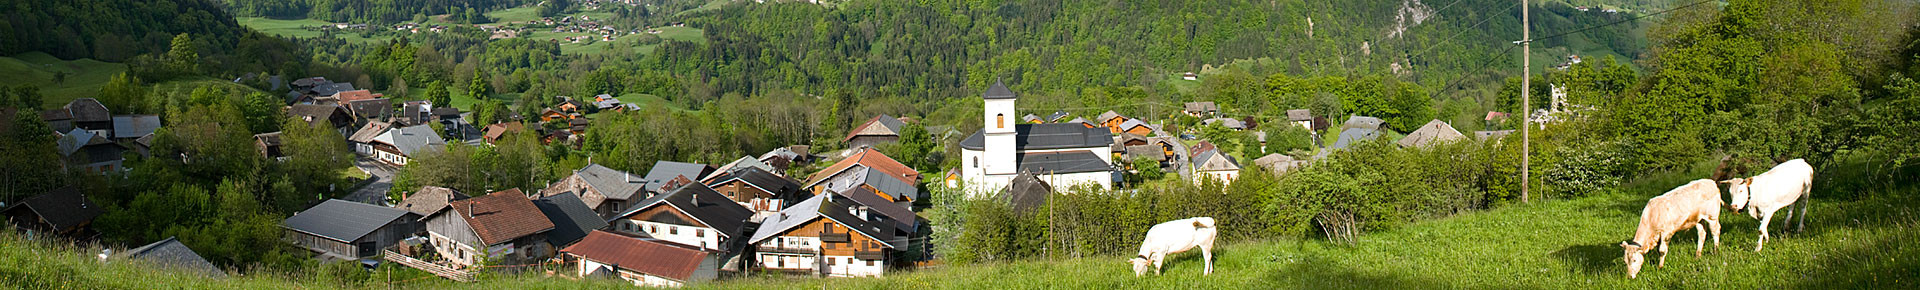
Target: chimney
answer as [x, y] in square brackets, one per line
[469, 210]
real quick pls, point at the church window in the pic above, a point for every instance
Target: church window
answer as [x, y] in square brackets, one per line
[1000, 121]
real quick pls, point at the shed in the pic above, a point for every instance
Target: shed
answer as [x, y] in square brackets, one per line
[348, 229]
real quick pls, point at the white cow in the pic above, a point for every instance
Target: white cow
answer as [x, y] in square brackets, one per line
[1681, 208]
[1174, 237]
[1788, 183]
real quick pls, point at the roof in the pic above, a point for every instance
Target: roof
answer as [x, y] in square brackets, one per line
[269, 139]
[1229, 123]
[889, 126]
[1025, 192]
[1299, 115]
[374, 108]
[1031, 118]
[1432, 133]
[172, 254]
[368, 132]
[63, 208]
[782, 152]
[760, 178]
[615, 184]
[307, 82]
[571, 218]
[1492, 115]
[88, 110]
[664, 171]
[997, 91]
[73, 140]
[833, 206]
[56, 115]
[1369, 123]
[502, 216]
[445, 112]
[411, 140]
[902, 217]
[1149, 151]
[329, 89]
[1496, 135]
[876, 179]
[1063, 162]
[1130, 123]
[1057, 115]
[1109, 115]
[867, 157]
[494, 131]
[639, 255]
[1201, 107]
[1047, 136]
[341, 220]
[429, 200]
[709, 207]
[1214, 160]
[134, 126]
[738, 164]
[1082, 122]
[1354, 135]
[317, 113]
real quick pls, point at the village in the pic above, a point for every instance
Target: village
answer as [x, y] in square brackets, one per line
[681, 222]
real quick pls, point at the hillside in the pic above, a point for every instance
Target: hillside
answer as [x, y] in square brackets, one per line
[1852, 241]
[82, 77]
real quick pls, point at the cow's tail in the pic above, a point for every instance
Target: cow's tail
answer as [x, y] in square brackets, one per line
[1203, 222]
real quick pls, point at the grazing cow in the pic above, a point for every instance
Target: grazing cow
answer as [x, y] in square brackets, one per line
[1678, 209]
[1174, 237]
[1788, 183]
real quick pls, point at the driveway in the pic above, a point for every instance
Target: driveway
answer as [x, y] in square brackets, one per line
[382, 175]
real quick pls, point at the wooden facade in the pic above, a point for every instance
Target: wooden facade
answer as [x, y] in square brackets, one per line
[368, 246]
[827, 247]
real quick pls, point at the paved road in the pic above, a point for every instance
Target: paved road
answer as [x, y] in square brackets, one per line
[382, 176]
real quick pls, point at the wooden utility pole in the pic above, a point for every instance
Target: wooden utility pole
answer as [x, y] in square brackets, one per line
[1526, 97]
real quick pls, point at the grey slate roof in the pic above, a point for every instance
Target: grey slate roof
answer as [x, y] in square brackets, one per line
[134, 126]
[171, 254]
[63, 208]
[902, 218]
[1031, 118]
[614, 184]
[1047, 136]
[88, 110]
[368, 132]
[703, 204]
[738, 164]
[1109, 115]
[1432, 133]
[1057, 115]
[1201, 107]
[342, 220]
[1063, 162]
[411, 140]
[1213, 160]
[762, 179]
[664, 171]
[572, 219]
[1351, 136]
[1494, 135]
[1025, 192]
[1364, 122]
[835, 209]
[371, 109]
[331, 88]
[998, 91]
[429, 200]
[875, 178]
[1229, 123]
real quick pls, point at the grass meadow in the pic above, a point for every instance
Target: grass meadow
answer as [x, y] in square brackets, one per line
[84, 76]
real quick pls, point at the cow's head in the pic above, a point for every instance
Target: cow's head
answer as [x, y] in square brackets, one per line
[1140, 265]
[1738, 189]
[1635, 255]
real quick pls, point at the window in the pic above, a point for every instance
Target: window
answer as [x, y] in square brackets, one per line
[699, 233]
[832, 262]
[672, 230]
[1000, 121]
[869, 263]
[976, 162]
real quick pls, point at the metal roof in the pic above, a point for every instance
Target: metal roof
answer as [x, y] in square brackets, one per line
[1047, 136]
[709, 207]
[615, 184]
[341, 220]
[1063, 162]
[411, 140]
[837, 209]
[664, 171]
[170, 253]
[645, 256]
[998, 91]
[571, 218]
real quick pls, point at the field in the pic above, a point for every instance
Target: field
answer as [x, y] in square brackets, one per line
[84, 76]
[298, 28]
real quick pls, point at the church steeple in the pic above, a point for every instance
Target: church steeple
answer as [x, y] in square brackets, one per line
[1000, 130]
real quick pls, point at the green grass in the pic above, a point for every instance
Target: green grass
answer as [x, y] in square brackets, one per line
[84, 76]
[298, 28]
[711, 5]
[521, 14]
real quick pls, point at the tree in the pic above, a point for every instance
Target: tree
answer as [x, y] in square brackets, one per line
[552, 8]
[438, 95]
[316, 155]
[28, 97]
[182, 57]
[478, 89]
[399, 88]
[915, 149]
[59, 77]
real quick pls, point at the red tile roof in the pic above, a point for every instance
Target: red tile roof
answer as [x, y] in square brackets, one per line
[638, 255]
[355, 95]
[502, 216]
[872, 159]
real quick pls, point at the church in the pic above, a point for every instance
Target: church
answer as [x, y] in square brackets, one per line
[1063, 155]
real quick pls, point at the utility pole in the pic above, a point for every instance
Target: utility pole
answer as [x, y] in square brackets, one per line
[1526, 97]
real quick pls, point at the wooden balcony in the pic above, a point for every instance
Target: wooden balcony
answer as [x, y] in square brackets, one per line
[835, 237]
[785, 250]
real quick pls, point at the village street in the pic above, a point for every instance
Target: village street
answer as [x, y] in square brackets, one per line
[381, 174]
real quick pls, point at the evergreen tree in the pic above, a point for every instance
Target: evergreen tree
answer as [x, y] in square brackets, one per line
[438, 95]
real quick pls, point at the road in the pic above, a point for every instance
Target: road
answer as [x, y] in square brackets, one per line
[382, 176]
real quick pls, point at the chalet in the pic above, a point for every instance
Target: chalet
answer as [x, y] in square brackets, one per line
[83, 113]
[1201, 109]
[757, 189]
[1148, 152]
[1126, 139]
[493, 132]
[571, 218]
[645, 262]
[1067, 153]
[550, 115]
[570, 105]
[363, 139]
[429, 200]
[331, 116]
[1301, 117]
[1032, 119]
[693, 215]
[130, 127]
[828, 235]
[1083, 122]
[85, 150]
[59, 119]
[1136, 127]
[879, 130]
[349, 230]
[784, 157]
[399, 145]
[173, 255]
[374, 110]
[502, 227]
[1110, 120]
[355, 95]
[662, 177]
[737, 164]
[1434, 132]
[1216, 165]
[880, 183]
[307, 83]
[1279, 163]
[414, 113]
[62, 212]
[602, 189]
[1057, 116]
[578, 125]
[269, 146]
[855, 165]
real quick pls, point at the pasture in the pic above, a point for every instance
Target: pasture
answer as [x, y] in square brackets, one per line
[300, 28]
[84, 77]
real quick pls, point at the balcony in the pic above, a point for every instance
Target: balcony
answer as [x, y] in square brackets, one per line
[835, 237]
[870, 255]
[785, 250]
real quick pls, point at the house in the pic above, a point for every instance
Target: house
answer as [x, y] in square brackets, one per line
[571, 218]
[1111, 120]
[85, 150]
[578, 125]
[60, 119]
[1148, 152]
[1279, 163]
[1434, 132]
[1190, 76]
[692, 215]
[1228, 123]
[1216, 165]
[83, 113]
[1201, 109]
[330, 116]
[172, 255]
[354, 95]
[1136, 127]
[143, 145]
[374, 110]
[785, 157]
[864, 158]
[1357, 129]
[829, 235]
[415, 113]
[493, 132]
[269, 145]
[62, 212]
[1056, 116]
[1032, 119]
[879, 130]
[549, 115]
[662, 177]
[1491, 135]
[1069, 154]
[1126, 139]
[1083, 122]
[399, 145]
[602, 189]
[645, 262]
[738, 164]
[429, 199]
[129, 127]
[1025, 193]
[501, 227]
[569, 105]
[349, 230]
[1302, 117]
[363, 139]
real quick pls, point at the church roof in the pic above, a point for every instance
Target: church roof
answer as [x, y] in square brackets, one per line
[1047, 136]
[1063, 162]
[998, 91]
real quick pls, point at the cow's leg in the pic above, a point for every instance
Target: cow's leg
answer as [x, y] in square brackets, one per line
[1159, 259]
[1714, 224]
[1699, 244]
[1806, 201]
[1765, 217]
[1206, 253]
[1663, 249]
